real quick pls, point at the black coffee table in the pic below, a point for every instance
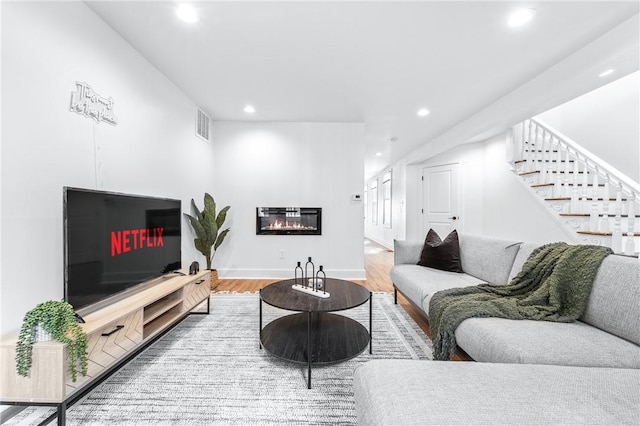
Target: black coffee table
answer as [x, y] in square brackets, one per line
[315, 336]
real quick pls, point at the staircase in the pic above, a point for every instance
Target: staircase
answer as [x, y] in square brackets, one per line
[595, 202]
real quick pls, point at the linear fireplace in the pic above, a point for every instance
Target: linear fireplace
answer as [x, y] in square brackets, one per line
[288, 221]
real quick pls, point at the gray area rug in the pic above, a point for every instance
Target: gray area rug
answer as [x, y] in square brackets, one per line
[210, 370]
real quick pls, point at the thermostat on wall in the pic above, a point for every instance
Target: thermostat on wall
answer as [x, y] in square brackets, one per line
[356, 197]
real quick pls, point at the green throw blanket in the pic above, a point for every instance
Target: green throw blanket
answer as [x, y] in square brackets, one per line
[554, 285]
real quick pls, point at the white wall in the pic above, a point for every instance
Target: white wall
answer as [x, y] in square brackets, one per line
[290, 165]
[46, 48]
[605, 121]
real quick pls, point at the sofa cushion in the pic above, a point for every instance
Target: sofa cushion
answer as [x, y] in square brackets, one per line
[441, 254]
[410, 392]
[524, 252]
[614, 303]
[543, 342]
[406, 252]
[488, 259]
[418, 283]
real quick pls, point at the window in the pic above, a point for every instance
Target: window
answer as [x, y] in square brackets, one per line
[386, 200]
[374, 201]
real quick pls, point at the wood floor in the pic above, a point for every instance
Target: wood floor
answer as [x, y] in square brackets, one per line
[378, 261]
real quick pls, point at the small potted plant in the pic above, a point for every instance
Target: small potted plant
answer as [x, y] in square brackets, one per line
[57, 319]
[209, 234]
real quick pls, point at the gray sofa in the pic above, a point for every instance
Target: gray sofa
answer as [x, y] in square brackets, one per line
[594, 352]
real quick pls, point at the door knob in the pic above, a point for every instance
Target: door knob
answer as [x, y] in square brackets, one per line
[454, 218]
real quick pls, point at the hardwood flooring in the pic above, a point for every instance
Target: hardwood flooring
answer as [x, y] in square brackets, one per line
[378, 261]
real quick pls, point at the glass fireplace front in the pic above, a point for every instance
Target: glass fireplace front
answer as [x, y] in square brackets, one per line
[289, 221]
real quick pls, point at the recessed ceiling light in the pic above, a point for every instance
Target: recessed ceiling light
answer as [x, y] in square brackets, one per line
[423, 112]
[378, 154]
[606, 73]
[249, 109]
[521, 17]
[187, 13]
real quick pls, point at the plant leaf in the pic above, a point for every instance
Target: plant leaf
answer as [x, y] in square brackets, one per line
[222, 216]
[197, 227]
[220, 238]
[196, 209]
[209, 205]
[202, 247]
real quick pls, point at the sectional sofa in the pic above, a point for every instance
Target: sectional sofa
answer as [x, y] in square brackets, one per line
[526, 372]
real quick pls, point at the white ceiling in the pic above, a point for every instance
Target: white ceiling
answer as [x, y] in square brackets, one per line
[378, 62]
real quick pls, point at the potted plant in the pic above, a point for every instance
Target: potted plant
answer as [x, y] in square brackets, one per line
[207, 225]
[56, 318]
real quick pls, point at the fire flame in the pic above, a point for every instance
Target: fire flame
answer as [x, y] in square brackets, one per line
[285, 225]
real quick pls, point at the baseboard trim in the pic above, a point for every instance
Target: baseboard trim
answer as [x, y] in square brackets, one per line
[238, 274]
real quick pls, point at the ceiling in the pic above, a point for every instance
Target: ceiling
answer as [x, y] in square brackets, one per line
[379, 62]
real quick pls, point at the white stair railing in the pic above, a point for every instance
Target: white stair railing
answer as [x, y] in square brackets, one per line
[590, 196]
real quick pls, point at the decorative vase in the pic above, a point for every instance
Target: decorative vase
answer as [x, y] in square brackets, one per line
[213, 283]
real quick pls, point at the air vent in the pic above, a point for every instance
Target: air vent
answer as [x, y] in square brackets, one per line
[202, 125]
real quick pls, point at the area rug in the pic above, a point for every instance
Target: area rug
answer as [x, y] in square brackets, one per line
[209, 370]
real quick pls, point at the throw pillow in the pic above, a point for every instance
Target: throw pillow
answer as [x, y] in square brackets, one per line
[439, 254]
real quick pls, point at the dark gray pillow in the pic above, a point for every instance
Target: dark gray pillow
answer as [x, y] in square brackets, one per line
[443, 255]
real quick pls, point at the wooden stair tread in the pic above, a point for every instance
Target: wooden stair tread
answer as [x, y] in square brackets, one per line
[539, 185]
[599, 215]
[602, 234]
[582, 199]
[528, 173]
[554, 161]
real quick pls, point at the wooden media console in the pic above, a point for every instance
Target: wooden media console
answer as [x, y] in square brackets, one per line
[114, 333]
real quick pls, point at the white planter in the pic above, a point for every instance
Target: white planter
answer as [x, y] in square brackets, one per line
[42, 335]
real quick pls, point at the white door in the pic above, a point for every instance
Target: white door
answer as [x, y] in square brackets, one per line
[441, 199]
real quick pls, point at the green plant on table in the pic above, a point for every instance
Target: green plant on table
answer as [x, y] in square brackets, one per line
[207, 226]
[58, 319]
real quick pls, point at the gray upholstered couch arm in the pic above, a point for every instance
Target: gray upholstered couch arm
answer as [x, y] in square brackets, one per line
[407, 252]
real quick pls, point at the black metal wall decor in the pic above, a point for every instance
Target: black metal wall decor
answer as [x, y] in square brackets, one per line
[288, 221]
[313, 283]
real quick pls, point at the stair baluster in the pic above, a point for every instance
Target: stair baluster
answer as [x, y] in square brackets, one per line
[584, 202]
[529, 144]
[595, 189]
[630, 246]
[616, 239]
[575, 203]
[557, 189]
[605, 225]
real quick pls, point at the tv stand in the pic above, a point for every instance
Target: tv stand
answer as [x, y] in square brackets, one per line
[115, 333]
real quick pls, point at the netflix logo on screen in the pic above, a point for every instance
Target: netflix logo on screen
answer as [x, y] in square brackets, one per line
[127, 240]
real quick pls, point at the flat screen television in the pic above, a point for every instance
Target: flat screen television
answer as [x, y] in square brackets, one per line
[114, 243]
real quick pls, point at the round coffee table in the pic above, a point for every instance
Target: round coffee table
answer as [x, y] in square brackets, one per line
[315, 336]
